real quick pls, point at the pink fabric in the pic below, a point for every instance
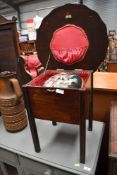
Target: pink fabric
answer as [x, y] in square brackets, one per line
[69, 44]
[39, 81]
[31, 65]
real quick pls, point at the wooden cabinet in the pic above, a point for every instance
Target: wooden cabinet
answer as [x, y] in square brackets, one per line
[112, 66]
[27, 47]
[9, 51]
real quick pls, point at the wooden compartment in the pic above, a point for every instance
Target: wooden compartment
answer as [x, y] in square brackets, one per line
[59, 104]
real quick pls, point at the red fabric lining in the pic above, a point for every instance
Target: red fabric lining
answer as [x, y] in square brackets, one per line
[69, 44]
[39, 81]
[32, 63]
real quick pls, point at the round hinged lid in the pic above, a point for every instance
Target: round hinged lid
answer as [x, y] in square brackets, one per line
[72, 37]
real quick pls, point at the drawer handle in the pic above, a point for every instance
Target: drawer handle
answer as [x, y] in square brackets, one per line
[51, 90]
[48, 172]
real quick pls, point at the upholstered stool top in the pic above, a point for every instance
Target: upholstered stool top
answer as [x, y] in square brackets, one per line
[69, 44]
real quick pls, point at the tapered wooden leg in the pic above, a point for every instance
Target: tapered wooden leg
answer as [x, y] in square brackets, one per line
[82, 141]
[31, 120]
[90, 127]
[54, 123]
[82, 131]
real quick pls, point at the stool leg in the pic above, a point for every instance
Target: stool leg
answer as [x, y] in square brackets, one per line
[82, 140]
[54, 123]
[31, 120]
[82, 131]
[90, 127]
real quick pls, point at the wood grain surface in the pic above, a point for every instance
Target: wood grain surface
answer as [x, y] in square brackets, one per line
[113, 129]
[105, 81]
[105, 91]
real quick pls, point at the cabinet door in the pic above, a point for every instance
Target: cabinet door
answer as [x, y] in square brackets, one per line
[27, 171]
[9, 50]
[60, 172]
[8, 157]
[31, 167]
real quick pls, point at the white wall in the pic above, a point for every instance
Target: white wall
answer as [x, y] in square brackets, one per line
[30, 11]
[107, 9]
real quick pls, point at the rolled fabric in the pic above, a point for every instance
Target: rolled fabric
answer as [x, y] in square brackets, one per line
[64, 80]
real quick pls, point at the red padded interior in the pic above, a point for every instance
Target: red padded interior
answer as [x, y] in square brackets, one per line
[32, 62]
[39, 81]
[69, 44]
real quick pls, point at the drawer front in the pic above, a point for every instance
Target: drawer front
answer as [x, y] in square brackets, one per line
[8, 157]
[35, 166]
[55, 172]
[68, 111]
[60, 172]
[30, 172]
